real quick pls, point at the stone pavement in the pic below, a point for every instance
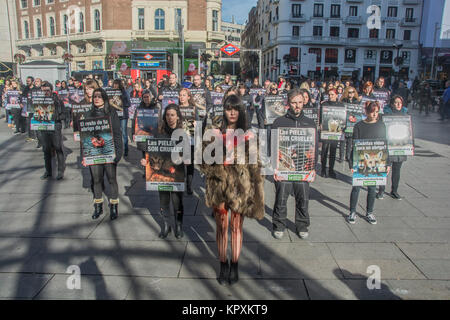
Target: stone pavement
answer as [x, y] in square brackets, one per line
[45, 227]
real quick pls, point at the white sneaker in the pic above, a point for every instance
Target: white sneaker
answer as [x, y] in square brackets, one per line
[278, 235]
[303, 235]
[352, 218]
[371, 218]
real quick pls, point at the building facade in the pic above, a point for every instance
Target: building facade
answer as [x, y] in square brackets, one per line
[102, 34]
[8, 36]
[337, 33]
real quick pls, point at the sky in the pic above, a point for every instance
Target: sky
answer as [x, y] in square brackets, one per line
[237, 8]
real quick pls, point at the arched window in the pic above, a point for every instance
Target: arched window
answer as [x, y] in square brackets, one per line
[81, 26]
[66, 24]
[159, 19]
[52, 26]
[26, 29]
[97, 21]
[38, 28]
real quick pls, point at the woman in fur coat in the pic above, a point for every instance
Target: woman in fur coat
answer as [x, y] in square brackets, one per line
[233, 186]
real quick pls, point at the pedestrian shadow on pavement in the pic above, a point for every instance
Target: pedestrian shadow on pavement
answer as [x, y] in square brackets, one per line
[358, 284]
[328, 202]
[101, 293]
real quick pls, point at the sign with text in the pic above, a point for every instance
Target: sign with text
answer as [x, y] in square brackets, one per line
[275, 107]
[370, 163]
[44, 113]
[399, 134]
[333, 123]
[97, 142]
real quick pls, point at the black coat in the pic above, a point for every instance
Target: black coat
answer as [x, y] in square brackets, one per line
[115, 126]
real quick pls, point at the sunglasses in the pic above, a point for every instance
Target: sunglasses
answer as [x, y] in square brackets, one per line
[351, 92]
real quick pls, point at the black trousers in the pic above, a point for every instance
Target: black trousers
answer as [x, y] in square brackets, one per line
[97, 172]
[396, 169]
[31, 133]
[68, 113]
[301, 194]
[329, 147]
[165, 197]
[426, 106]
[53, 140]
[19, 121]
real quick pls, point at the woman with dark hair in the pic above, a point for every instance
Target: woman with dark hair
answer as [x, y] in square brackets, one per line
[397, 108]
[367, 91]
[371, 128]
[239, 188]
[327, 145]
[171, 121]
[64, 85]
[101, 108]
[118, 85]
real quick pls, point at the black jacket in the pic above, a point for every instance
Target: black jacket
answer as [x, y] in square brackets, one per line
[291, 121]
[115, 126]
[60, 114]
[207, 94]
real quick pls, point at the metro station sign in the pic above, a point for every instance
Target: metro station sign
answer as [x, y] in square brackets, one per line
[148, 56]
[230, 49]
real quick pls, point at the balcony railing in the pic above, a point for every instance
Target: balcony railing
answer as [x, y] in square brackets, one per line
[409, 22]
[298, 18]
[353, 20]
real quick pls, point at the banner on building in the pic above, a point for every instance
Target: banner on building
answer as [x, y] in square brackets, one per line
[370, 163]
[97, 142]
[333, 123]
[296, 149]
[399, 134]
[161, 173]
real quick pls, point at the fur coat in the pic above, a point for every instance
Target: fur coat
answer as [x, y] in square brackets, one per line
[239, 186]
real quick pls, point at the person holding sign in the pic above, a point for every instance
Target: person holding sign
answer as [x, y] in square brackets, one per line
[235, 183]
[171, 121]
[122, 112]
[330, 146]
[396, 109]
[52, 139]
[102, 109]
[371, 128]
[295, 118]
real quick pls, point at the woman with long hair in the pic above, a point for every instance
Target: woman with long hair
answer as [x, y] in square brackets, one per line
[171, 121]
[235, 187]
[190, 116]
[101, 108]
[350, 95]
[371, 128]
[397, 109]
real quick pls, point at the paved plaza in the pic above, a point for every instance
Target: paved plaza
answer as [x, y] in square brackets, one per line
[46, 227]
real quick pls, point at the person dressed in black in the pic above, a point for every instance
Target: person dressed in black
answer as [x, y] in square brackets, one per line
[295, 118]
[371, 128]
[123, 117]
[396, 109]
[172, 86]
[101, 108]
[53, 140]
[248, 103]
[330, 146]
[26, 99]
[171, 121]
[19, 120]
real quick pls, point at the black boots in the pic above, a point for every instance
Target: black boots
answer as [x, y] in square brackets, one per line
[189, 185]
[234, 273]
[114, 213]
[98, 211]
[165, 229]
[224, 273]
[179, 225]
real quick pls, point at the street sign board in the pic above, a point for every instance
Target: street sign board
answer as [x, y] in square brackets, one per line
[230, 49]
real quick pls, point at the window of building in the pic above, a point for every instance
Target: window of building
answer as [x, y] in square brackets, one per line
[353, 11]
[390, 33]
[39, 28]
[26, 28]
[81, 23]
[409, 15]
[386, 57]
[407, 35]
[24, 4]
[318, 10]
[392, 11]
[350, 55]
[406, 55]
[97, 20]
[37, 3]
[317, 52]
[141, 18]
[317, 31]
[335, 11]
[215, 21]
[66, 24]
[159, 19]
[296, 10]
[52, 26]
[370, 54]
[295, 31]
[334, 31]
[177, 17]
[331, 55]
[353, 33]
[373, 33]
[293, 52]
